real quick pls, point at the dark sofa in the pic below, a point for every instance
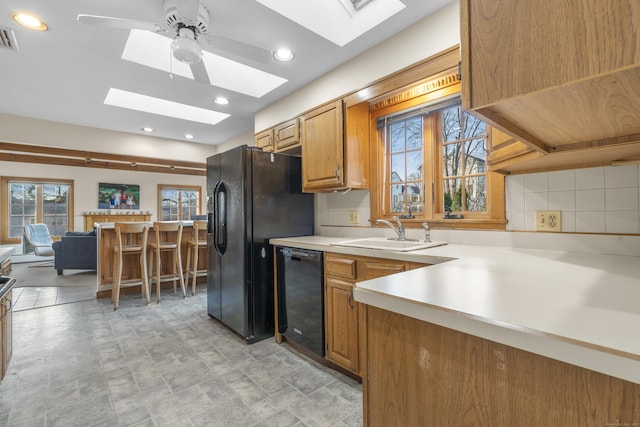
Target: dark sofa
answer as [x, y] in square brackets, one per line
[76, 251]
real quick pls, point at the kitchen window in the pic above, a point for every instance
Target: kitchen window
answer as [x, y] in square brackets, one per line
[36, 201]
[179, 203]
[430, 160]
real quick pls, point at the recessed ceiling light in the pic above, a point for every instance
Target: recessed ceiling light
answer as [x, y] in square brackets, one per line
[188, 136]
[30, 21]
[148, 129]
[283, 55]
[221, 100]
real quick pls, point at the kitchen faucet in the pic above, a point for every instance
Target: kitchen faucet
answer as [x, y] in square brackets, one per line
[427, 232]
[399, 230]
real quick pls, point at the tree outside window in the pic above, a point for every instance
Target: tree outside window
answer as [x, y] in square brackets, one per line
[435, 162]
[464, 160]
[179, 203]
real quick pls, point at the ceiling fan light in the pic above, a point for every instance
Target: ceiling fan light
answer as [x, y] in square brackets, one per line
[185, 48]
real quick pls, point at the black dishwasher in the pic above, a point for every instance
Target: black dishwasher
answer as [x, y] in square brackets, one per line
[301, 297]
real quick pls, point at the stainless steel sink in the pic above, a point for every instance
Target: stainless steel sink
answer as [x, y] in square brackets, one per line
[389, 244]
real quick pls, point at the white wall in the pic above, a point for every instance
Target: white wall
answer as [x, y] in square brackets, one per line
[53, 134]
[86, 184]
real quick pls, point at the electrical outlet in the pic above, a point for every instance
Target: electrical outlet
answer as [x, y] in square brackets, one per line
[549, 221]
[354, 217]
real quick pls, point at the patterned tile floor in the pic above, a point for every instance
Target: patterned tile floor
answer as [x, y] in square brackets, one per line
[167, 364]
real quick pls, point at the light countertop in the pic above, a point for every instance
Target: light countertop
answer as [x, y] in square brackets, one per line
[5, 253]
[581, 308]
[111, 226]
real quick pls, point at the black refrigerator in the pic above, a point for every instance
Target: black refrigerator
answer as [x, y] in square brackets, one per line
[253, 196]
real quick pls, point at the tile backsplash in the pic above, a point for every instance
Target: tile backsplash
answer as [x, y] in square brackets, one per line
[604, 200]
[592, 200]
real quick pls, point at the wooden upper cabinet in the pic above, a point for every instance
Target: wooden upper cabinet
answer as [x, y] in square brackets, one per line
[287, 135]
[322, 147]
[264, 140]
[561, 77]
[331, 158]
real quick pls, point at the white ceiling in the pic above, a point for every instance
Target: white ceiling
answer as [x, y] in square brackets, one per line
[65, 73]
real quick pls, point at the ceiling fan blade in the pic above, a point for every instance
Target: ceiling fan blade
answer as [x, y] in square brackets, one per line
[109, 22]
[188, 9]
[200, 73]
[241, 49]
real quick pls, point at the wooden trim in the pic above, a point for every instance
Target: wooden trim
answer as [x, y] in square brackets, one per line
[599, 143]
[4, 204]
[92, 159]
[430, 66]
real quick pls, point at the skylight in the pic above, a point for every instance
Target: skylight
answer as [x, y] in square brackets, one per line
[149, 104]
[153, 50]
[331, 18]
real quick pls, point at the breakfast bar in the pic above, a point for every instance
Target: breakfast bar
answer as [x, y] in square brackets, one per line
[106, 241]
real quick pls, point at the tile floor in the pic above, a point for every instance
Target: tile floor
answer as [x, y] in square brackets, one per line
[39, 285]
[28, 298]
[167, 364]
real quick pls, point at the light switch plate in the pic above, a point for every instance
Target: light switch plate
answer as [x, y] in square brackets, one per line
[549, 221]
[354, 217]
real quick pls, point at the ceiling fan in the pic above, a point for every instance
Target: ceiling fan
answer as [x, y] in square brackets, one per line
[188, 22]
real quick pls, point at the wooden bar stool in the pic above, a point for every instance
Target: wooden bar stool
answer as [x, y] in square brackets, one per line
[168, 238]
[131, 238]
[198, 241]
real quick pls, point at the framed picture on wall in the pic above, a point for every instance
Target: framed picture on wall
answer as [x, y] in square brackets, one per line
[118, 196]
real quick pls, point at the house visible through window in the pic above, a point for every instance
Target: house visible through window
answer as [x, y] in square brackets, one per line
[179, 203]
[36, 201]
[431, 161]
[440, 139]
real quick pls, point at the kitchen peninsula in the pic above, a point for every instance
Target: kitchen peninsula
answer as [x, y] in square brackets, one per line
[107, 239]
[492, 335]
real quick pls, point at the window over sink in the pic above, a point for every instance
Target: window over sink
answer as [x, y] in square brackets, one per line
[429, 158]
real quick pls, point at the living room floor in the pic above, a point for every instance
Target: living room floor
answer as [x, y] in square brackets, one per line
[168, 364]
[38, 285]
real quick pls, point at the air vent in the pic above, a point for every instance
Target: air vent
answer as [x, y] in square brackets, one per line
[8, 39]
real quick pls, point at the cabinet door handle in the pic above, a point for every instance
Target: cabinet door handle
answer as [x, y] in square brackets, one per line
[351, 299]
[338, 171]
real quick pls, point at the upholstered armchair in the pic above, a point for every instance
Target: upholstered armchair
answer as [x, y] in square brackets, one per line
[37, 237]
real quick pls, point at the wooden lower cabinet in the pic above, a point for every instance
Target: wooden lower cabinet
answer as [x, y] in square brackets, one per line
[342, 325]
[6, 332]
[421, 374]
[345, 317]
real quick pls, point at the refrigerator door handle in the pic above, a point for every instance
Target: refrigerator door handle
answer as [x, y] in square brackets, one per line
[220, 218]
